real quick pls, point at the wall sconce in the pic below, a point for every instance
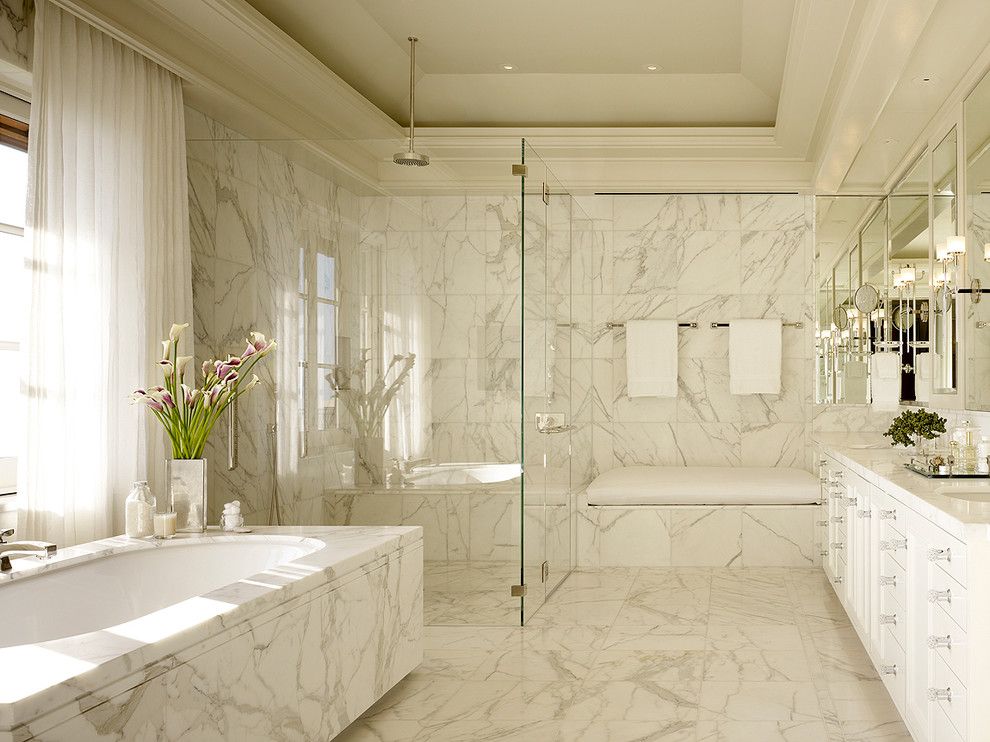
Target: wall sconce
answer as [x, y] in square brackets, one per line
[908, 274]
[955, 247]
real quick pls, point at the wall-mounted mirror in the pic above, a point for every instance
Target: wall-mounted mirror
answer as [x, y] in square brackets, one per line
[906, 329]
[850, 251]
[977, 313]
[950, 271]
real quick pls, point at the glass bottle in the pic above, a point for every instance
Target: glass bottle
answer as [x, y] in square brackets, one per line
[966, 435]
[139, 508]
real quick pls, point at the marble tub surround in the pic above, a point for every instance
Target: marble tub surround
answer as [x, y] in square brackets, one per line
[341, 625]
[701, 258]
[666, 654]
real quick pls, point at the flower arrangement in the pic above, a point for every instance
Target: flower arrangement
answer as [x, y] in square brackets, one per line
[368, 406]
[912, 425]
[189, 414]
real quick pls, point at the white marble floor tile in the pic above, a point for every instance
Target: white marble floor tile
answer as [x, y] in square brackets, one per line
[757, 664]
[761, 731]
[758, 701]
[651, 653]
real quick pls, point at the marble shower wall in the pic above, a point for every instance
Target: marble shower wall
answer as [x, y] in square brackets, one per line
[441, 280]
[252, 213]
[701, 258]
[15, 32]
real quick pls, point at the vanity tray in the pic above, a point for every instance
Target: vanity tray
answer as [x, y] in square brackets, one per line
[919, 468]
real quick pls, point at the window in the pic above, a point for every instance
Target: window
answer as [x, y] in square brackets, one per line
[13, 289]
[317, 307]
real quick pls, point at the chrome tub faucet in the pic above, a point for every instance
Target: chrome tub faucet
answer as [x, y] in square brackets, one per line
[14, 549]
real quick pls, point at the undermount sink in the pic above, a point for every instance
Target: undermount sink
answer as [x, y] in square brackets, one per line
[970, 494]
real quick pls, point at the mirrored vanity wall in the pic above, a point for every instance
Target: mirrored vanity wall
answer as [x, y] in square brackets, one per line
[901, 313]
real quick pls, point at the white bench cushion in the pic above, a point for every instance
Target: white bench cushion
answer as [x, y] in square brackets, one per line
[703, 485]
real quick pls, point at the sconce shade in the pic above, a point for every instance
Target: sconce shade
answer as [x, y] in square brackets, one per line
[955, 245]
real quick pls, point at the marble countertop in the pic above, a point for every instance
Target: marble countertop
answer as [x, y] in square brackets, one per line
[874, 459]
[76, 672]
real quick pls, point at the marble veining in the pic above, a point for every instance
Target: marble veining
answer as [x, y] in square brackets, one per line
[15, 32]
[622, 654]
[308, 644]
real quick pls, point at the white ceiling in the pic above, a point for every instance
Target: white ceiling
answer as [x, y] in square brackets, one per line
[575, 64]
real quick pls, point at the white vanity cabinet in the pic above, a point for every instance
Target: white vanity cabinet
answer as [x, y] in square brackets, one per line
[919, 607]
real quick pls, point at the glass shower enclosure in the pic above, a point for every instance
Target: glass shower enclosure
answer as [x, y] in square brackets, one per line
[434, 354]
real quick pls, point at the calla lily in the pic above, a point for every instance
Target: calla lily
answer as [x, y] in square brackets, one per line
[181, 364]
[189, 414]
[176, 332]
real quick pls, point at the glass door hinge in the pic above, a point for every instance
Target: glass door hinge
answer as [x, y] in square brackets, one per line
[519, 170]
[518, 591]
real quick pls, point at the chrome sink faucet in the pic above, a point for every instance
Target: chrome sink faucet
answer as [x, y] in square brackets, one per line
[14, 549]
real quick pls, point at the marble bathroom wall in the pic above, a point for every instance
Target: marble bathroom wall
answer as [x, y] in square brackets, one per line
[257, 220]
[16, 32]
[704, 258]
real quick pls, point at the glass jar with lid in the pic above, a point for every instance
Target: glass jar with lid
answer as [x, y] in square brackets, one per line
[139, 509]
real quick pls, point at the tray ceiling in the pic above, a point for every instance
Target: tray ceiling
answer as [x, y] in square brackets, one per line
[720, 62]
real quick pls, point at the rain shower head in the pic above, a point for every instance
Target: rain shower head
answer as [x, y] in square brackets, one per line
[411, 157]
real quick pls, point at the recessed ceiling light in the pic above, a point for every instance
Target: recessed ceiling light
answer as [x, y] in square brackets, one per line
[651, 67]
[508, 67]
[926, 79]
[890, 140]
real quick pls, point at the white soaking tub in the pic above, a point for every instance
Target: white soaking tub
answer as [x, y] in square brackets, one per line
[258, 636]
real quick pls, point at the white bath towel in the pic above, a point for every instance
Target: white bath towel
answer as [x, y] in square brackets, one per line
[885, 380]
[651, 358]
[754, 356]
[923, 377]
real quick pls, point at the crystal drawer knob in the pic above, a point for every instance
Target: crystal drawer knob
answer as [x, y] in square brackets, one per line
[838, 545]
[940, 694]
[838, 474]
[940, 555]
[934, 642]
[838, 580]
[838, 519]
[888, 669]
[837, 494]
[821, 523]
[850, 502]
[888, 515]
[823, 552]
[934, 596]
[888, 619]
[893, 544]
[888, 581]
[863, 513]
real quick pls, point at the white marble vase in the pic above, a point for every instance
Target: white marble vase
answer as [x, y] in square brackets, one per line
[369, 461]
[186, 482]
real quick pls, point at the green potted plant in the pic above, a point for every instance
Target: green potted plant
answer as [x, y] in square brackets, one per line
[912, 427]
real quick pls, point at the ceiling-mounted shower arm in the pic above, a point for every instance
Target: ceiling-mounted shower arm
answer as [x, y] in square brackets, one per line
[411, 157]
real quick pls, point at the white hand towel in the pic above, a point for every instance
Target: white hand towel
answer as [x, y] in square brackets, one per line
[885, 380]
[754, 356]
[651, 358]
[923, 377]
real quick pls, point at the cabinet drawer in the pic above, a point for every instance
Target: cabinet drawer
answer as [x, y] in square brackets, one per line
[949, 556]
[893, 672]
[947, 595]
[889, 514]
[950, 643]
[893, 618]
[954, 707]
[942, 728]
[893, 579]
[893, 544]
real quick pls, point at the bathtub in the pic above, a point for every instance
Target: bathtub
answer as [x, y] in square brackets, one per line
[460, 475]
[209, 637]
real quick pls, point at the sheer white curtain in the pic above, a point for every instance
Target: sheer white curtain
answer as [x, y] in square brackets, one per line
[110, 271]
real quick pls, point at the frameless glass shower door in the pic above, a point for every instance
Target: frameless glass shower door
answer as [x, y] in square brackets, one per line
[548, 421]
